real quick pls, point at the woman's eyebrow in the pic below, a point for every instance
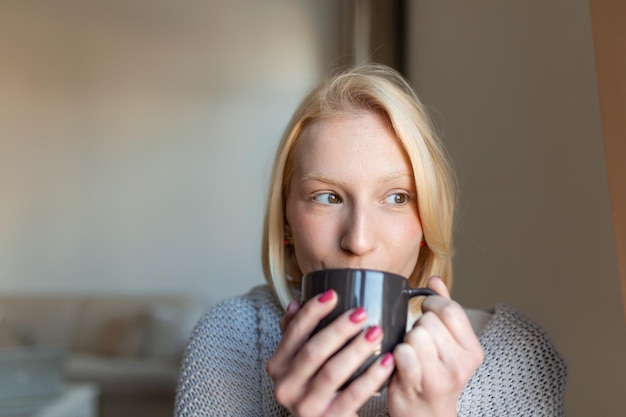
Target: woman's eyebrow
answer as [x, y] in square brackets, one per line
[334, 181]
[395, 175]
[323, 178]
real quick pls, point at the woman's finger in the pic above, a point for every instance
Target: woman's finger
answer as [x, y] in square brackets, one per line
[338, 369]
[320, 347]
[446, 346]
[416, 360]
[454, 319]
[295, 384]
[362, 388]
[292, 309]
[436, 284]
[298, 330]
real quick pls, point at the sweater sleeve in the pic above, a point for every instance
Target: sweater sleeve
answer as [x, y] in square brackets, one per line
[522, 374]
[220, 373]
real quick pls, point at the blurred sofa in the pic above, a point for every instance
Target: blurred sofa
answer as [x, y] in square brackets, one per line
[130, 346]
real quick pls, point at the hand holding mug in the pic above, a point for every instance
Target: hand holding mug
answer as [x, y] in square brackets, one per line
[335, 351]
[306, 370]
[437, 359]
[383, 295]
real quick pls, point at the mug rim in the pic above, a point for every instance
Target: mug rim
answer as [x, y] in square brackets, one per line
[364, 270]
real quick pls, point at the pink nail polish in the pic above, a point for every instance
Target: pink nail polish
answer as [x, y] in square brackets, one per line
[358, 315]
[373, 333]
[326, 296]
[387, 360]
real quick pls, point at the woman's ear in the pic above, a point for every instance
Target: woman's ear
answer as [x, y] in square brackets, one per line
[287, 239]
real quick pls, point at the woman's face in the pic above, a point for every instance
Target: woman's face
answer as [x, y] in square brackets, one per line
[352, 198]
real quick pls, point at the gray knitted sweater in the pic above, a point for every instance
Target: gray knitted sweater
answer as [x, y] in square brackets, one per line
[223, 372]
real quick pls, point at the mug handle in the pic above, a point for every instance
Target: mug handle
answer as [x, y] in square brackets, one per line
[415, 292]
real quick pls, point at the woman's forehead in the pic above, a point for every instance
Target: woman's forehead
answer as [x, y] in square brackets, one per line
[362, 144]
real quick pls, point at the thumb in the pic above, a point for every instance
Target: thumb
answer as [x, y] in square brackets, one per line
[292, 308]
[436, 284]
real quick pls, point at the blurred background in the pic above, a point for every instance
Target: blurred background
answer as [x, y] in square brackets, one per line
[136, 142]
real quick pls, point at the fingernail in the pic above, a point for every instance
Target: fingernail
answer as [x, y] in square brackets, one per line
[387, 360]
[292, 307]
[326, 296]
[358, 315]
[373, 333]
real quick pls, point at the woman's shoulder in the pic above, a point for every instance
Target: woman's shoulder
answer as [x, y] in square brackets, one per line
[504, 331]
[241, 314]
[507, 323]
[237, 321]
[511, 333]
[520, 348]
[522, 374]
[222, 371]
[240, 307]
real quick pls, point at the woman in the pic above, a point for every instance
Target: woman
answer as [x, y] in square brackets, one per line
[360, 180]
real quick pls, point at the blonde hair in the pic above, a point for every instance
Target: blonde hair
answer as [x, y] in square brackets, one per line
[368, 87]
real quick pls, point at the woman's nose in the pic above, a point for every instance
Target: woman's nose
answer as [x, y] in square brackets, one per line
[359, 236]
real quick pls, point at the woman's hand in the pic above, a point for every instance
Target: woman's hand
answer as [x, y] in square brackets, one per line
[307, 376]
[436, 360]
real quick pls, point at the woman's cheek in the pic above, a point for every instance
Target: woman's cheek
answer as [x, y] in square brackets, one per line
[314, 243]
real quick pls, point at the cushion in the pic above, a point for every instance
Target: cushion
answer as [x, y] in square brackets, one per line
[7, 336]
[37, 319]
[121, 336]
[111, 328]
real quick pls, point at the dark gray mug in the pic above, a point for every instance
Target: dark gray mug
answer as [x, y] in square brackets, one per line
[385, 297]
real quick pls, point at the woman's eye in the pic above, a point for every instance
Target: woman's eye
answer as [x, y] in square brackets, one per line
[327, 198]
[397, 198]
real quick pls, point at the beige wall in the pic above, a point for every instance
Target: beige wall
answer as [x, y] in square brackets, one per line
[514, 89]
[136, 138]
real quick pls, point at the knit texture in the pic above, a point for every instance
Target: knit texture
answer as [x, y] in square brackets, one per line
[223, 371]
